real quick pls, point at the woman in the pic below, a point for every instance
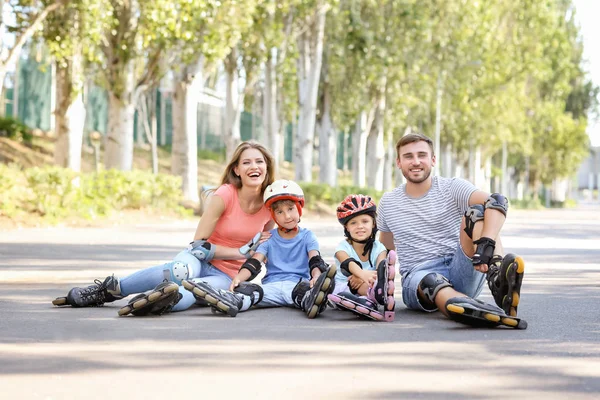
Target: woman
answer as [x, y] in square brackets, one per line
[225, 237]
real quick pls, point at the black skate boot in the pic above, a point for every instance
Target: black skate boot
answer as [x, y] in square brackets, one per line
[476, 313]
[314, 300]
[92, 296]
[224, 301]
[360, 305]
[504, 277]
[158, 301]
[383, 290]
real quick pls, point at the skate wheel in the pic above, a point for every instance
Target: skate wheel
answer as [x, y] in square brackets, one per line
[171, 288]
[314, 310]
[326, 284]
[140, 303]
[211, 299]
[391, 288]
[391, 273]
[152, 297]
[515, 299]
[223, 307]
[513, 312]
[455, 309]
[319, 298]
[187, 285]
[491, 317]
[60, 301]
[198, 292]
[363, 310]
[124, 311]
[334, 298]
[347, 304]
[520, 265]
[377, 316]
[510, 322]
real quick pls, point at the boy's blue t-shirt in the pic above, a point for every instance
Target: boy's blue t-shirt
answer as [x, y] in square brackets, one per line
[346, 247]
[287, 259]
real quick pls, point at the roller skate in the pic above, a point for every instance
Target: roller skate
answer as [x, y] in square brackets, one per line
[504, 277]
[360, 305]
[92, 296]
[476, 313]
[224, 301]
[383, 290]
[313, 301]
[158, 301]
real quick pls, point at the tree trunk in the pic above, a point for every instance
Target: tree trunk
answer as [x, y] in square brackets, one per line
[389, 164]
[359, 146]
[121, 111]
[327, 139]
[310, 45]
[375, 150]
[184, 156]
[270, 112]
[69, 114]
[233, 103]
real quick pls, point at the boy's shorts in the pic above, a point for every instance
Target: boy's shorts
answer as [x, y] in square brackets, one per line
[278, 294]
[459, 270]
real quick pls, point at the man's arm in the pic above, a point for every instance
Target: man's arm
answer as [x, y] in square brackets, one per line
[387, 239]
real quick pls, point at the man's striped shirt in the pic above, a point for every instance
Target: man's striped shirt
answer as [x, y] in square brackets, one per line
[427, 227]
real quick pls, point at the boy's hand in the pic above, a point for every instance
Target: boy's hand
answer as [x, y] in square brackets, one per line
[234, 283]
[315, 276]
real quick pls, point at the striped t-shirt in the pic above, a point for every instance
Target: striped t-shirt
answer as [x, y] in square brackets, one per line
[427, 227]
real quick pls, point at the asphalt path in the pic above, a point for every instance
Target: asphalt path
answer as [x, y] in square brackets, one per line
[48, 352]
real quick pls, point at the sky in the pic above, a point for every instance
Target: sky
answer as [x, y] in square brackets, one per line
[587, 13]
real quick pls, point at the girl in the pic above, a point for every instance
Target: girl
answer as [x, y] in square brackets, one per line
[365, 277]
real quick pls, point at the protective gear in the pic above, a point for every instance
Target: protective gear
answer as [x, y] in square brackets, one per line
[252, 245]
[313, 301]
[252, 265]
[476, 313]
[202, 250]
[345, 266]
[360, 305]
[497, 202]
[92, 296]
[317, 262]
[484, 251]
[353, 205]
[473, 215]
[430, 285]
[224, 301]
[177, 272]
[283, 189]
[504, 278]
[158, 301]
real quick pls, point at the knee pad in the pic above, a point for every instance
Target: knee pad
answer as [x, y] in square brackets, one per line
[252, 265]
[472, 215]
[299, 291]
[249, 289]
[202, 250]
[345, 266]
[431, 284]
[497, 202]
[177, 272]
[317, 262]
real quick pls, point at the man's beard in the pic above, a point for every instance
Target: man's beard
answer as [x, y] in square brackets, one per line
[426, 175]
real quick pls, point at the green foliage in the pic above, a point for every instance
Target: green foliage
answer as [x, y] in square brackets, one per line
[14, 129]
[322, 193]
[56, 193]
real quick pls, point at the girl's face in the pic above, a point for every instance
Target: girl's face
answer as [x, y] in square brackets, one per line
[360, 227]
[252, 167]
[287, 216]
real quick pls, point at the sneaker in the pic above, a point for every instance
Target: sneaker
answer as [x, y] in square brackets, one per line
[360, 305]
[92, 296]
[158, 301]
[220, 300]
[476, 313]
[504, 277]
[315, 300]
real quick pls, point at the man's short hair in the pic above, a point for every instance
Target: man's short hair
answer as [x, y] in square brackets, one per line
[412, 138]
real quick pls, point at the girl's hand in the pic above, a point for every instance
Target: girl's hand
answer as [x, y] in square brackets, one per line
[355, 282]
[369, 277]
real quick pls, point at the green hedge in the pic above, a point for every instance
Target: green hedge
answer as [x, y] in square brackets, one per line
[56, 193]
[14, 129]
[320, 192]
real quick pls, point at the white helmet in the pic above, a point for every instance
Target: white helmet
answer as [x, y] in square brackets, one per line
[283, 189]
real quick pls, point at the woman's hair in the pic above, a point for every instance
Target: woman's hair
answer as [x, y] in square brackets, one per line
[229, 175]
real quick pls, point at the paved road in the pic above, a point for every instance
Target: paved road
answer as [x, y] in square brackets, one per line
[52, 353]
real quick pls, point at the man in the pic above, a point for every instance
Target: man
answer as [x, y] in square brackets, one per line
[445, 232]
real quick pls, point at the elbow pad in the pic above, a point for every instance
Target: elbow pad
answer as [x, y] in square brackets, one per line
[345, 266]
[202, 250]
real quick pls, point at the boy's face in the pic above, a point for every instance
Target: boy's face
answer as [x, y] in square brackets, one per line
[360, 227]
[286, 215]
